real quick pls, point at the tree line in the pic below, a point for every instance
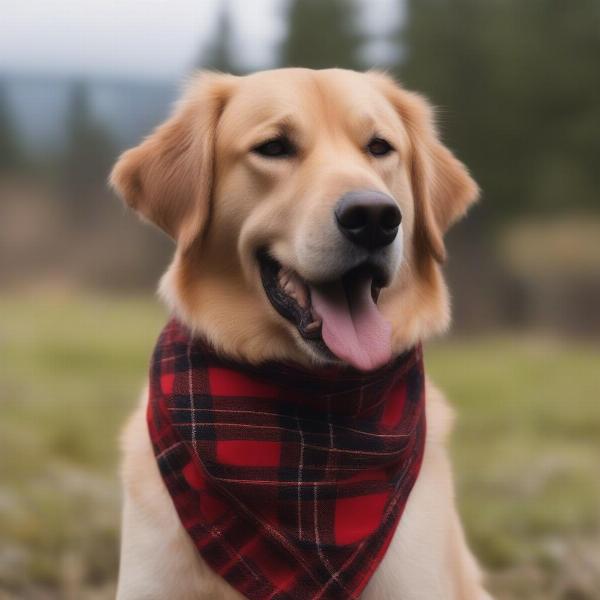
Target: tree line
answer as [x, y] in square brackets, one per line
[517, 86]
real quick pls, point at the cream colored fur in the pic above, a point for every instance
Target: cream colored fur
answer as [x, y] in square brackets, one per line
[197, 178]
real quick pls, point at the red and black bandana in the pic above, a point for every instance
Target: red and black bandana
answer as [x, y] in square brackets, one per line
[290, 481]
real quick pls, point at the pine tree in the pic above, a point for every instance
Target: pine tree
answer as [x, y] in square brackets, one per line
[10, 152]
[322, 34]
[219, 53]
[518, 87]
[89, 152]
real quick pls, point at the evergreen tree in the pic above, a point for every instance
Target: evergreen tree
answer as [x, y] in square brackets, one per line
[89, 153]
[518, 84]
[322, 34]
[219, 53]
[10, 153]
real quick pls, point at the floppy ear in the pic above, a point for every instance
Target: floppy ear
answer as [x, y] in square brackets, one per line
[167, 179]
[442, 187]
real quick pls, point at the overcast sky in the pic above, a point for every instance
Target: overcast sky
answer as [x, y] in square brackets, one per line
[143, 38]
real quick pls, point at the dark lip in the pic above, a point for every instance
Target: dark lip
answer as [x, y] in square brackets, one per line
[298, 315]
[285, 305]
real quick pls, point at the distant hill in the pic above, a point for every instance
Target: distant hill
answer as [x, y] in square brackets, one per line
[128, 109]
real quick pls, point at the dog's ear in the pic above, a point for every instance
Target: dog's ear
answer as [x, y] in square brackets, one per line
[442, 187]
[167, 179]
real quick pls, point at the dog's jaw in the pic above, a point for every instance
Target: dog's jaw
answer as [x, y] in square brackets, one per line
[238, 320]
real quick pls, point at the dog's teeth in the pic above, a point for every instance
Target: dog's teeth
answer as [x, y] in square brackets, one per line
[293, 286]
[313, 326]
[302, 296]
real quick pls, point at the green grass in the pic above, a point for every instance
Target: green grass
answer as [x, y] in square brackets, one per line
[526, 448]
[527, 460]
[71, 370]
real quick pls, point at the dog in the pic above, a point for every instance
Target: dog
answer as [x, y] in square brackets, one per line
[309, 175]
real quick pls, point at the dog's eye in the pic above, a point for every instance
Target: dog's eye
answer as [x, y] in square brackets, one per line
[379, 147]
[280, 147]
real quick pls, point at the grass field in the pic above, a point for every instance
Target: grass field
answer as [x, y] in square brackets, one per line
[526, 448]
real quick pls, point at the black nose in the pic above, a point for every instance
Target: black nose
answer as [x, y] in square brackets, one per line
[370, 219]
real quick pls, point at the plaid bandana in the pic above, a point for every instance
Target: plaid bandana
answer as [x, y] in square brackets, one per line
[289, 481]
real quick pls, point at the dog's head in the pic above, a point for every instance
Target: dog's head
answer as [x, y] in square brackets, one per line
[308, 208]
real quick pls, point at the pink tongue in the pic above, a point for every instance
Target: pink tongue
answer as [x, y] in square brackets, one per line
[353, 328]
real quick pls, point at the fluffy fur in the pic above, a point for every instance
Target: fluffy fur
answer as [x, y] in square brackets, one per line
[197, 178]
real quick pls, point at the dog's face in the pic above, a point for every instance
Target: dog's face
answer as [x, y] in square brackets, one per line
[308, 209]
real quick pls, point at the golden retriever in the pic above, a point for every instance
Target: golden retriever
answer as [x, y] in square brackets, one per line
[261, 162]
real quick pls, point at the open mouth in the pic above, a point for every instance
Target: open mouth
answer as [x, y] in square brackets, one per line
[338, 317]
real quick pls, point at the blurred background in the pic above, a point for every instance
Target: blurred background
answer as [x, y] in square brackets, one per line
[517, 85]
